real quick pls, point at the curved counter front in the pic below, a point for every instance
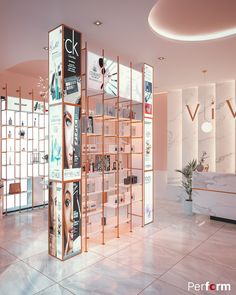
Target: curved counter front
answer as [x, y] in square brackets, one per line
[214, 194]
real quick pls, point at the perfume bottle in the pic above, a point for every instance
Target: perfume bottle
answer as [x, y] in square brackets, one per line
[9, 134]
[9, 160]
[22, 123]
[10, 121]
[35, 122]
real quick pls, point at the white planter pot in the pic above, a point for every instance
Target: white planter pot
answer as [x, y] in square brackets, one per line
[188, 207]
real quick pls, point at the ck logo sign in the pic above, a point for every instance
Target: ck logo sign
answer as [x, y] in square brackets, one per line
[70, 45]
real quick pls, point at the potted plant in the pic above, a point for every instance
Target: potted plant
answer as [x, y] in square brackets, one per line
[187, 173]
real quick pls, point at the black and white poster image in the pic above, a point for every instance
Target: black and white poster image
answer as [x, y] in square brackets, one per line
[72, 66]
[72, 139]
[55, 65]
[72, 219]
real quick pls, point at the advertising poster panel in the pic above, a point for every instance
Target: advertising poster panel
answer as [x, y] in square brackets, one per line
[148, 90]
[55, 219]
[72, 219]
[148, 144]
[55, 142]
[72, 66]
[148, 204]
[72, 144]
[125, 76]
[97, 66]
[136, 86]
[55, 66]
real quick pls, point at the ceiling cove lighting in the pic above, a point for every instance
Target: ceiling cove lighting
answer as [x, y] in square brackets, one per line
[97, 23]
[205, 37]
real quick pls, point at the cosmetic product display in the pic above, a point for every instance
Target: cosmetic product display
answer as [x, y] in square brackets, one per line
[20, 164]
[130, 179]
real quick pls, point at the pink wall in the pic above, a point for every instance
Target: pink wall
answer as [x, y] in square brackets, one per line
[14, 80]
[160, 132]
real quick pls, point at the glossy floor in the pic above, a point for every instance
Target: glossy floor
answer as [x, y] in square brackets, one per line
[159, 259]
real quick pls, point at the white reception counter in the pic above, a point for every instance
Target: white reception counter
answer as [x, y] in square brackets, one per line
[214, 194]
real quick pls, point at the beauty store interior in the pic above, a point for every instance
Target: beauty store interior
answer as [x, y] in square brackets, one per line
[118, 147]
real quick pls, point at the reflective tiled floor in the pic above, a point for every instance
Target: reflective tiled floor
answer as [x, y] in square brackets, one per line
[159, 259]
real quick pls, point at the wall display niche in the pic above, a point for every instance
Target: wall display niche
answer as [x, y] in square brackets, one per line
[24, 152]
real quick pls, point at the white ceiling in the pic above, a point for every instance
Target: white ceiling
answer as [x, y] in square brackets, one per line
[125, 32]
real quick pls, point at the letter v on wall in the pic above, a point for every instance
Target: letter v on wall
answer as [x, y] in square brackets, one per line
[231, 108]
[190, 113]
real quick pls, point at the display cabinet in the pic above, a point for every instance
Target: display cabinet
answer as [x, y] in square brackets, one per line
[112, 148]
[24, 151]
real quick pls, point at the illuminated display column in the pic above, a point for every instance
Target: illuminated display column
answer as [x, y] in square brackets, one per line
[148, 143]
[64, 142]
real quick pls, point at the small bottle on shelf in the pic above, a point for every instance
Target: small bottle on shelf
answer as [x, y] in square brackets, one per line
[9, 134]
[35, 122]
[10, 121]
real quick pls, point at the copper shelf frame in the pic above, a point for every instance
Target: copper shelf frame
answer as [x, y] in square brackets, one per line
[85, 154]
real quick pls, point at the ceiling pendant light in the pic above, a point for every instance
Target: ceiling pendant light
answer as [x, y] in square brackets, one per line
[206, 125]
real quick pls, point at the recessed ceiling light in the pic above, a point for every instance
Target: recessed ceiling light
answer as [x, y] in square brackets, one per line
[45, 48]
[161, 58]
[97, 23]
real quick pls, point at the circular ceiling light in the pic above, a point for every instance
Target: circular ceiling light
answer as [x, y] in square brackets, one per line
[206, 127]
[97, 23]
[186, 20]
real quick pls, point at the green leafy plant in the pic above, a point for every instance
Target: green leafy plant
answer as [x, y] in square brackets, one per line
[187, 173]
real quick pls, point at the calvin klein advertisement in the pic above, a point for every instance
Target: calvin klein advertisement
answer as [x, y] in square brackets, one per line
[55, 142]
[102, 75]
[148, 144]
[72, 141]
[55, 66]
[72, 66]
[72, 219]
[148, 200]
[148, 90]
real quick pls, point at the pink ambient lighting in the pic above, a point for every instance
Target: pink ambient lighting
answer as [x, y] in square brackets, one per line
[190, 20]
